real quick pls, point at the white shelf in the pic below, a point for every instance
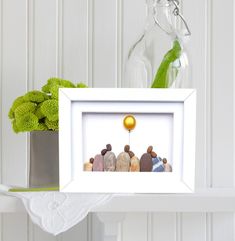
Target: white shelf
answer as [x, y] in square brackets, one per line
[212, 200]
[216, 200]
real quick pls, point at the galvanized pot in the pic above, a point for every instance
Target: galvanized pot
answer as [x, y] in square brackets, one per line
[44, 159]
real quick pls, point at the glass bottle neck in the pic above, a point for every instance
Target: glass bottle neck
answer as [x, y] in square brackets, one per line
[166, 15]
[159, 13]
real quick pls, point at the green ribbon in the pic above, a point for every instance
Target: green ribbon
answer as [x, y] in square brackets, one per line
[161, 80]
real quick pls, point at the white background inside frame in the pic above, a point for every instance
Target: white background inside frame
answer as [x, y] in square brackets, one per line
[153, 129]
[88, 131]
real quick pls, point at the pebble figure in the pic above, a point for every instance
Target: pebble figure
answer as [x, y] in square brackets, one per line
[127, 161]
[157, 164]
[123, 160]
[98, 163]
[135, 162]
[146, 163]
[109, 159]
[167, 166]
[88, 166]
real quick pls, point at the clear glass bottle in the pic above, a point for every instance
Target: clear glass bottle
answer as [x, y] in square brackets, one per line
[159, 59]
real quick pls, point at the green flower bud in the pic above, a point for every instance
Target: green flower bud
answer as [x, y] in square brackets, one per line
[53, 81]
[50, 109]
[67, 84]
[11, 114]
[81, 85]
[14, 126]
[27, 122]
[35, 96]
[38, 112]
[24, 108]
[55, 91]
[42, 127]
[18, 101]
[52, 125]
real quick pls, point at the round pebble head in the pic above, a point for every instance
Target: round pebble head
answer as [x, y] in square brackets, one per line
[103, 152]
[109, 147]
[127, 148]
[153, 154]
[150, 149]
[164, 160]
[131, 154]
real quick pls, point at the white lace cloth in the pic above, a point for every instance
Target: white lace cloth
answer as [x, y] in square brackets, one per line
[56, 212]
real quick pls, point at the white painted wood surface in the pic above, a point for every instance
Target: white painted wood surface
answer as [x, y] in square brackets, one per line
[88, 40]
[212, 200]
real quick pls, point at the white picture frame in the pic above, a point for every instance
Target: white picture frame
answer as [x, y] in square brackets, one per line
[81, 109]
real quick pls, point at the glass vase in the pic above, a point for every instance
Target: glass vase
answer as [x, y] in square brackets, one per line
[159, 59]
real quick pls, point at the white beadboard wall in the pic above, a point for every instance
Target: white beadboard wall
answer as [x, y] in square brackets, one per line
[88, 40]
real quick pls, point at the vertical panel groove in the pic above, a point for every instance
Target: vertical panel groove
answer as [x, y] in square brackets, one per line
[208, 85]
[178, 227]
[119, 53]
[1, 76]
[59, 39]
[208, 114]
[150, 227]
[234, 106]
[30, 230]
[1, 119]
[120, 231]
[90, 46]
[30, 67]
[233, 116]
[89, 227]
[30, 85]
[30, 44]
[208, 227]
[59, 237]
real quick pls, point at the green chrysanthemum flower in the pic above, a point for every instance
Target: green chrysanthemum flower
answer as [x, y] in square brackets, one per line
[55, 91]
[53, 81]
[24, 108]
[18, 101]
[50, 82]
[11, 114]
[38, 112]
[42, 127]
[27, 122]
[81, 85]
[46, 88]
[35, 96]
[50, 109]
[52, 125]
[67, 83]
[14, 126]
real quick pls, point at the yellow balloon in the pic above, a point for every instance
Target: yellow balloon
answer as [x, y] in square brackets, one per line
[129, 122]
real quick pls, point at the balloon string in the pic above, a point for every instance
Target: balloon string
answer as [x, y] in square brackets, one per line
[129, 138]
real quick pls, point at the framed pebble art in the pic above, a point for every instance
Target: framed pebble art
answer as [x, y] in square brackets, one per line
[127, 140]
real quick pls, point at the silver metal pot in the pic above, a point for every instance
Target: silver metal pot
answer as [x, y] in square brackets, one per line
[44, 159]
